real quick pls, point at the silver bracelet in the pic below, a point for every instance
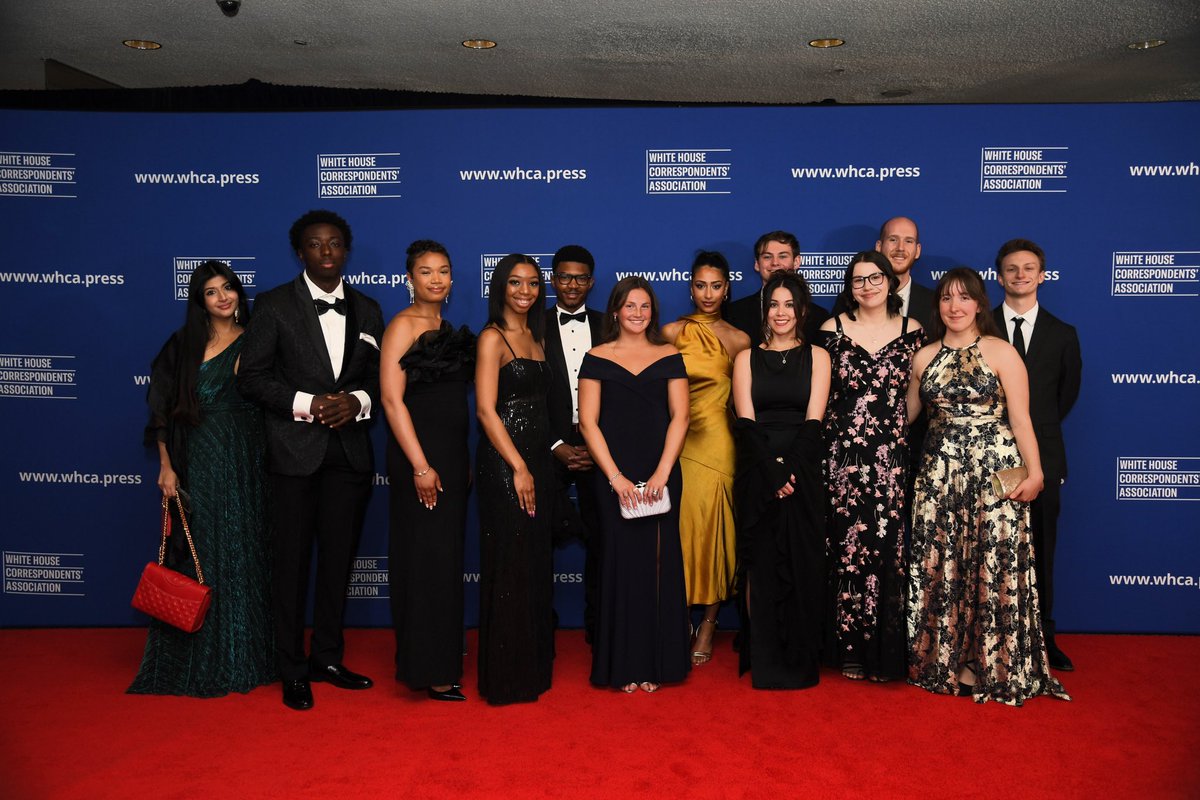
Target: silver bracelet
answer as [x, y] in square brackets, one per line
[616, 475]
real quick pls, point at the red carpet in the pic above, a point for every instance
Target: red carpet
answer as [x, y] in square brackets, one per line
[68, 731]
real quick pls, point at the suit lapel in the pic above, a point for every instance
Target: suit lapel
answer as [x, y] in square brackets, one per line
[307, 314]
[351, 329]
[554, 347]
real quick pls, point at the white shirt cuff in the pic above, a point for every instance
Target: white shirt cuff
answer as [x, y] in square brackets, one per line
[554, 446]
[302, 406]
[364, 399]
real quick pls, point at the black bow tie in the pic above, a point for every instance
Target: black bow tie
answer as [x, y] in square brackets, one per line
[338, 305]
[564, 317]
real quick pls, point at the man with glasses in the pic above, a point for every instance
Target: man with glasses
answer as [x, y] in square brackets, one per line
[572, 330]
[1050, 349]
[774, 251]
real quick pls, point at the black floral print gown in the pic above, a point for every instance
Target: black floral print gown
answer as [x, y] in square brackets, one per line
[973, 601]
[866, 469]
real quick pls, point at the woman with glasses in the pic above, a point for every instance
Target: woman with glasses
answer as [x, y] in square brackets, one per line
[866, 434]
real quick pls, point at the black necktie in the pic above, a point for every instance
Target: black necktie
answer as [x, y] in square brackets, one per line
[564, 317]
[338, 305]
[1018, 337]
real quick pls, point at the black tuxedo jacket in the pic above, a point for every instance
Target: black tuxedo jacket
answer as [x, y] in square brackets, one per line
[746, 316]
[1055, 368]
[285, 353]
[559, 397]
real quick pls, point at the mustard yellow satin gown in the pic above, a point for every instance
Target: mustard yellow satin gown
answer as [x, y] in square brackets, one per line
[706, 528]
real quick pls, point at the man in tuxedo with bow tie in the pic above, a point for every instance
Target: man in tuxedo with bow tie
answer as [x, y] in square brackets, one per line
[571, 330]
[311, 359]
[1050, 349]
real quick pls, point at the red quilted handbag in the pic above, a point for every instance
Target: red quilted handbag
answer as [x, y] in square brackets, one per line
[168, 595]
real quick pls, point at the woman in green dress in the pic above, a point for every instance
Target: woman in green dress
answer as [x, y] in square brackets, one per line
[211, 454]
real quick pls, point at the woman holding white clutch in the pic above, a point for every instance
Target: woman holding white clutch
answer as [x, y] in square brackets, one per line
[633, 414]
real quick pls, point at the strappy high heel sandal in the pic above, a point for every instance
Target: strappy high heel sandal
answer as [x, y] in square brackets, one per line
[703, 656]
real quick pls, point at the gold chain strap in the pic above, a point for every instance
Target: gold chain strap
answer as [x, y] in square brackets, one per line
[166, 531]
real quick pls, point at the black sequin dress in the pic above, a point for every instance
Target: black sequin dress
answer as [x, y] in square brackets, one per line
[516, 571]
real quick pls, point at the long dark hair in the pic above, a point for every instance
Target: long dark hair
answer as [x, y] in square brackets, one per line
[496, 293]
[969, 280]
[616, 300]
[893, 283]
[195, 333]
[794, 283]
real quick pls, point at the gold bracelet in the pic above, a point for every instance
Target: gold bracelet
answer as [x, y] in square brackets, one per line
[616, 475]
[423, 472]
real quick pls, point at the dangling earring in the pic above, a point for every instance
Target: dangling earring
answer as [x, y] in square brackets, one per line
[412, 294]
[235, 316]
[447, 300]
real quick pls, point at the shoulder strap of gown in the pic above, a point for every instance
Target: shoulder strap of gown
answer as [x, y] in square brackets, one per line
[505, 338]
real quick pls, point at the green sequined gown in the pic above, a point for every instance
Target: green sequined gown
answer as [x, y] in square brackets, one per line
[234, 650]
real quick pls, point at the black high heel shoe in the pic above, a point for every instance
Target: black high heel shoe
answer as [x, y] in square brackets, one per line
[453, 694]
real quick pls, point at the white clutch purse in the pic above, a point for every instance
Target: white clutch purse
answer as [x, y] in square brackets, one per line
[648, 508]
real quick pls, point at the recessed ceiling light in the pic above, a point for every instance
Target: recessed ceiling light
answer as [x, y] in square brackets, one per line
[142, 44]
[825, 43]
[479, 44]
[1148, 44]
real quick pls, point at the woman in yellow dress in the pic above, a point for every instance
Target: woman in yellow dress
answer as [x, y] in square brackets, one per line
[706, 531]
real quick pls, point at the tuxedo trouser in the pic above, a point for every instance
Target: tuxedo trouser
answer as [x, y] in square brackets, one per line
[327, 507]
[1043, 519]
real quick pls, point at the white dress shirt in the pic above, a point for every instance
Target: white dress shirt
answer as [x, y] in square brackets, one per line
[904, 293]
[333, 328]
[576, 338]
[1029, 317]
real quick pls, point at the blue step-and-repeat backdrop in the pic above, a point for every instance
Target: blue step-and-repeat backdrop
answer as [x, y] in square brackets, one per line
[107, 214]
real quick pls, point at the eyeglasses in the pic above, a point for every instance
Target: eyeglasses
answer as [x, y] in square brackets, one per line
[875, 279]
[567, 280]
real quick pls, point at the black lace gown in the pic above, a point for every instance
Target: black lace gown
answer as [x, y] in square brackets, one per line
[642, 629]
[425, 555]
[516, 570]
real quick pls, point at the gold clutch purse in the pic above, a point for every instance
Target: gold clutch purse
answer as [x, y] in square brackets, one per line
[1005, 480]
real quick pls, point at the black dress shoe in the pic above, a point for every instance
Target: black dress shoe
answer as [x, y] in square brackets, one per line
[339, 676]
[298, 695]
[453, 694]
[1058, 659]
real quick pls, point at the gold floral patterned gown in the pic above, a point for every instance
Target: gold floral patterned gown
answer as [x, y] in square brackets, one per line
[706, 529]
[971, 581]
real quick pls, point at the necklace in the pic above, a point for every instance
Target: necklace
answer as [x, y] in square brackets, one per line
[783, 354]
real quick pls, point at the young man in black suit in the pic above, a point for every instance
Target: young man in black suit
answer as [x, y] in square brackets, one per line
[774, 251]
[572, 330]
[1050, 348]
[311, 359]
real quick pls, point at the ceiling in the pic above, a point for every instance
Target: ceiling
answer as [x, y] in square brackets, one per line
[756, 51]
